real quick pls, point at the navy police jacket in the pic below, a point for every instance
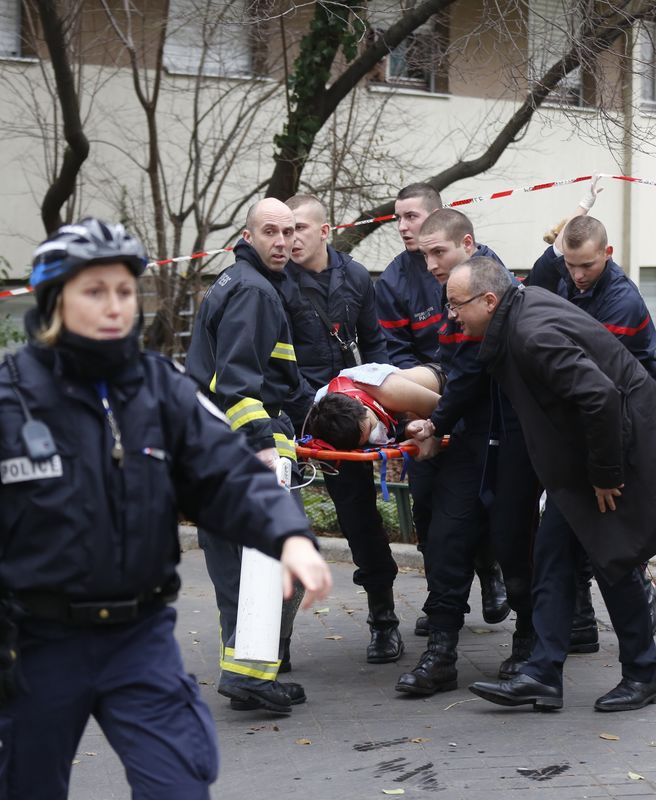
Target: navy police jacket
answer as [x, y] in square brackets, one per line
[348, 305]
[241, 350]
[81, 525]
[614, 300]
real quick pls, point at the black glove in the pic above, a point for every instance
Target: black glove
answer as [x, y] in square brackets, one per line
[8, 655]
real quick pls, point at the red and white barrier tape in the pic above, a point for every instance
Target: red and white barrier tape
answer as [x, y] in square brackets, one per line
[389, 217]
[15, 292]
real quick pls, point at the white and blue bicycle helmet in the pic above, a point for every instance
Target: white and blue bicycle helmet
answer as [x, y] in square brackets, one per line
[71, 248]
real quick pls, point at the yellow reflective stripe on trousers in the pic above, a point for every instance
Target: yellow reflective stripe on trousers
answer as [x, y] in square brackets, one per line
[244, 411]
[213, 384]
[285, 446]
[264, 670]
[284, 351]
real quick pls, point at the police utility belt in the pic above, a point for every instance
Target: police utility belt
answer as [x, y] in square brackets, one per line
[56, 607]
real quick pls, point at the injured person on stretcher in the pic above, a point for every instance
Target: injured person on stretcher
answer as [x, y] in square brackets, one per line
[372, 403]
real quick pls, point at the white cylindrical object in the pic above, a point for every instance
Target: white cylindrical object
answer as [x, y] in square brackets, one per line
[260, 605]
[257, 636]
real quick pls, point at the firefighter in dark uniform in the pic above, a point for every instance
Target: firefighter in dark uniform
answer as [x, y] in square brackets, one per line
[409, 304]
[101, 447]
[484, 485]
[579, 267]
[329, 299]
[241, 354]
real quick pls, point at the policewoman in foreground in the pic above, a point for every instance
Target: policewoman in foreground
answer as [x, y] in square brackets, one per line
[102, 447]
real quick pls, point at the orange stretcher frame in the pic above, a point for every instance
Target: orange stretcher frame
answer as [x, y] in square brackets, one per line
[303, 451]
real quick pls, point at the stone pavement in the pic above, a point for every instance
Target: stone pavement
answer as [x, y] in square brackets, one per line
[356, 738]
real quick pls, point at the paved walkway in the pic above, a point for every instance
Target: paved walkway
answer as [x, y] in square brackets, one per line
[358, 739]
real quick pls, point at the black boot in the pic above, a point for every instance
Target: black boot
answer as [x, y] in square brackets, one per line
[585, 633]
[650, 589]
[436, 670]
[386, 644]
[421, 626]
[522, 645]
[493, 594]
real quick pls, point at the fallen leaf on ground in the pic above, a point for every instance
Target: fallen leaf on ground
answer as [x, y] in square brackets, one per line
[76, 761]
[419, 740]
[481, 630]
[635, 777]
[609, 736]
[321, 610]
[453, 744]
[652, 744]
[335, 638]
[303, 741]
[393, 791]
[91, 754]
[349, 610]
[361, 591]
[275, 728]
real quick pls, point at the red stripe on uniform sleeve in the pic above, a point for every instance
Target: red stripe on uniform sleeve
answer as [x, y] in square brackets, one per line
[393, 323]
[619, 331]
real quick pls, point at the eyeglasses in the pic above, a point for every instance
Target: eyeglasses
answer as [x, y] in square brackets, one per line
[454, 309]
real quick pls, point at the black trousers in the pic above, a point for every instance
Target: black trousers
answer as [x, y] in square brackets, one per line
[354, 494]
[460, 522]
[421, 477]
[557, 556]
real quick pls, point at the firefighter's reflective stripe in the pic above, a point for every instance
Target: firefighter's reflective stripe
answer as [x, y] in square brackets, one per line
[245, 411]
[284, 351]
[285, 446]
[265, 671]
[213, 384]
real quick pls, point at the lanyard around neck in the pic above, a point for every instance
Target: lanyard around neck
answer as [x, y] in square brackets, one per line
[117, 449]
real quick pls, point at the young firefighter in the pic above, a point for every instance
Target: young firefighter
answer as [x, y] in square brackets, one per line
[409, 303]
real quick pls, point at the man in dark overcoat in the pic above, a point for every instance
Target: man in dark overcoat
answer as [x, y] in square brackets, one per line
[586, 408]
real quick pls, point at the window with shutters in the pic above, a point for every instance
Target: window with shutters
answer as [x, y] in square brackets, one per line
[10, 29]
[209, 38]
[420, 61]
[647, 45]
[552, 32]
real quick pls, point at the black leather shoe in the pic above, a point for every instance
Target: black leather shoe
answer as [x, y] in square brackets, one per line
[277, 697]
[436, 670]
[493, 595]
[627, 696]
[520, 691]
[421, 626]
